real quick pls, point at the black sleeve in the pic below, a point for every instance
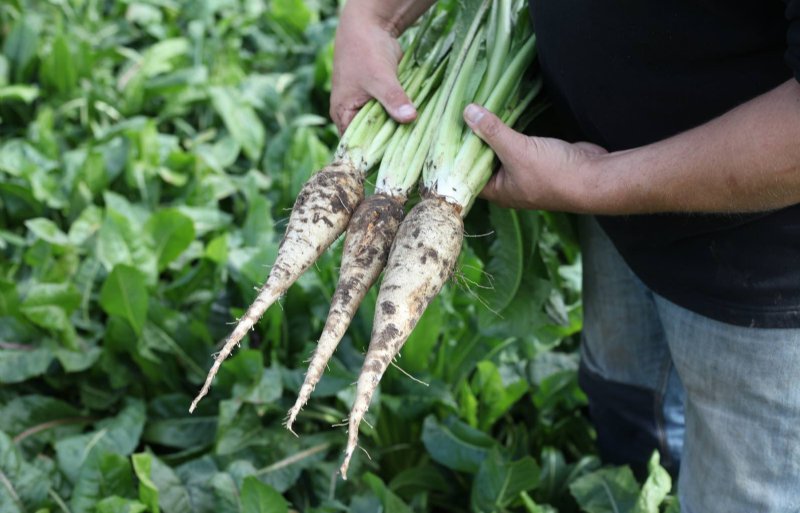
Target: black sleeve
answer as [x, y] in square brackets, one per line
[793, 37]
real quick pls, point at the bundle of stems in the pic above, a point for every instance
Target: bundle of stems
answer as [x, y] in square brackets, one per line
[477, 52]
[488, 66]
[326, 202]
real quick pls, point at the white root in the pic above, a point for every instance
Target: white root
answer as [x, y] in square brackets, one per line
[422, 259]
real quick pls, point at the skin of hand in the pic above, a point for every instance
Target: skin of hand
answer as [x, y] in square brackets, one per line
[366, 55]
[746, 160]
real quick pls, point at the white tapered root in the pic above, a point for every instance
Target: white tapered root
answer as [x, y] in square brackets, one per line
[320, 214]
[421, 260]
[366, 249]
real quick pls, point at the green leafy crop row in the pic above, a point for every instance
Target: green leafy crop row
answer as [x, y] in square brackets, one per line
[149, 152]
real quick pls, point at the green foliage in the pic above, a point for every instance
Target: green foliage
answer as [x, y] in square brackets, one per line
[616, 490]
[149, 153]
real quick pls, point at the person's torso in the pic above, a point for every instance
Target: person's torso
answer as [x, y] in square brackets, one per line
[632, 72]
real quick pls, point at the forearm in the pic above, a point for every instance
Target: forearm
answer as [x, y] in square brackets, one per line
[393, 15]
[745, 160]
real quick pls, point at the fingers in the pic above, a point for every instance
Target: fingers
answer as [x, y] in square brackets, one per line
[505, 141]
[394, 99]
[390, 94]
[502, 190]
[494, 189]
[591, 149]
[344, 107]
[387, 90]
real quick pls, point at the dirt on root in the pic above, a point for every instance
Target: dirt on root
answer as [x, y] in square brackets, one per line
[369, 238]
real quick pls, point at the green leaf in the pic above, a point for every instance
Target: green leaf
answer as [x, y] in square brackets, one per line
[293, 15]
[655, 488]
[532, 507]
[118, 435]
[197, 475]
[21, 93]
[171, 233]
[673, 506]
[391, 502]
[124, 294]
[494, 398]
[226, 494]
[104, 476]
[47, 230]
[258, 497]
[217, 249]
[266, 391]
[305, 155]
[87, 224]
[24, 486]
[172, 495]
[557, 474]
[3, 70]
[259, 228]
[239, 428]
[59, 69]
[79, 360]
[206, 219]
[419, 347]
[524, 313]
[116, 504]
[504, 270]
[170, 424]
[615, 490]
[499, 482]
[33, 413]
[240, 119]
[454, 444]
[420, 479]
[9, 301]
[18, 365]
[148, 492]
[289, 457]
[63, 295]
[19, 158]
[159, 57]
[120, 241]
[20, 47]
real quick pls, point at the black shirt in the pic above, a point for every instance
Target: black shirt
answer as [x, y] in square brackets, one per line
[632, 72]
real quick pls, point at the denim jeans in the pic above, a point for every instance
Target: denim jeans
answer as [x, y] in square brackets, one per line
[720, 402]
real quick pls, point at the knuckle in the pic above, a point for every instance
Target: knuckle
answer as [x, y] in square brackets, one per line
[529, 148]
[394, 94]
[491, 127]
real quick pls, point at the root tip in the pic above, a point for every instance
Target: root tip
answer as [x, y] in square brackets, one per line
[346, 463]
[288, 426]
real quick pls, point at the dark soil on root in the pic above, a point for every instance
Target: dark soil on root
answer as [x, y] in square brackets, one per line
[372, 228]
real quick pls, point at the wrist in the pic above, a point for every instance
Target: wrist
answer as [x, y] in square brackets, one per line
[616, 184]
[595, 187]
[370, 14]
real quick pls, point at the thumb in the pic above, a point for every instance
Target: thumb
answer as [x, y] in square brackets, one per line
[492, 130]
[394, 99]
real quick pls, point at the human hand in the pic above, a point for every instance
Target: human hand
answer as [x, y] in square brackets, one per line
[536, 172]
[365, 59]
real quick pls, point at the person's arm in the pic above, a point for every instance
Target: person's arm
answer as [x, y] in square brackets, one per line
[366, 54]
[746, 160]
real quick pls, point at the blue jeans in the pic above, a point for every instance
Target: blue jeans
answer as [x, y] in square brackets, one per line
[720, 402]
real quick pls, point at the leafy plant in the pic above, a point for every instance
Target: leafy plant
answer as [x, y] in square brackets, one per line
[136, 216]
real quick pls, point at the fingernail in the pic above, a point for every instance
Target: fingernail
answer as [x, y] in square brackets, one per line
[473, 113]
[406, 111]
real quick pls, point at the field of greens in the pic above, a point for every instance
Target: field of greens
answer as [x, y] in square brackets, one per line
[149, 154]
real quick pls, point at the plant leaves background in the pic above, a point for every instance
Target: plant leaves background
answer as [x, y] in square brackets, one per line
[149, 153]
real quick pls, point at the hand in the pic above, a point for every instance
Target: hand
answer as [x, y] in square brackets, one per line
[536, 172]
[366, 54]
